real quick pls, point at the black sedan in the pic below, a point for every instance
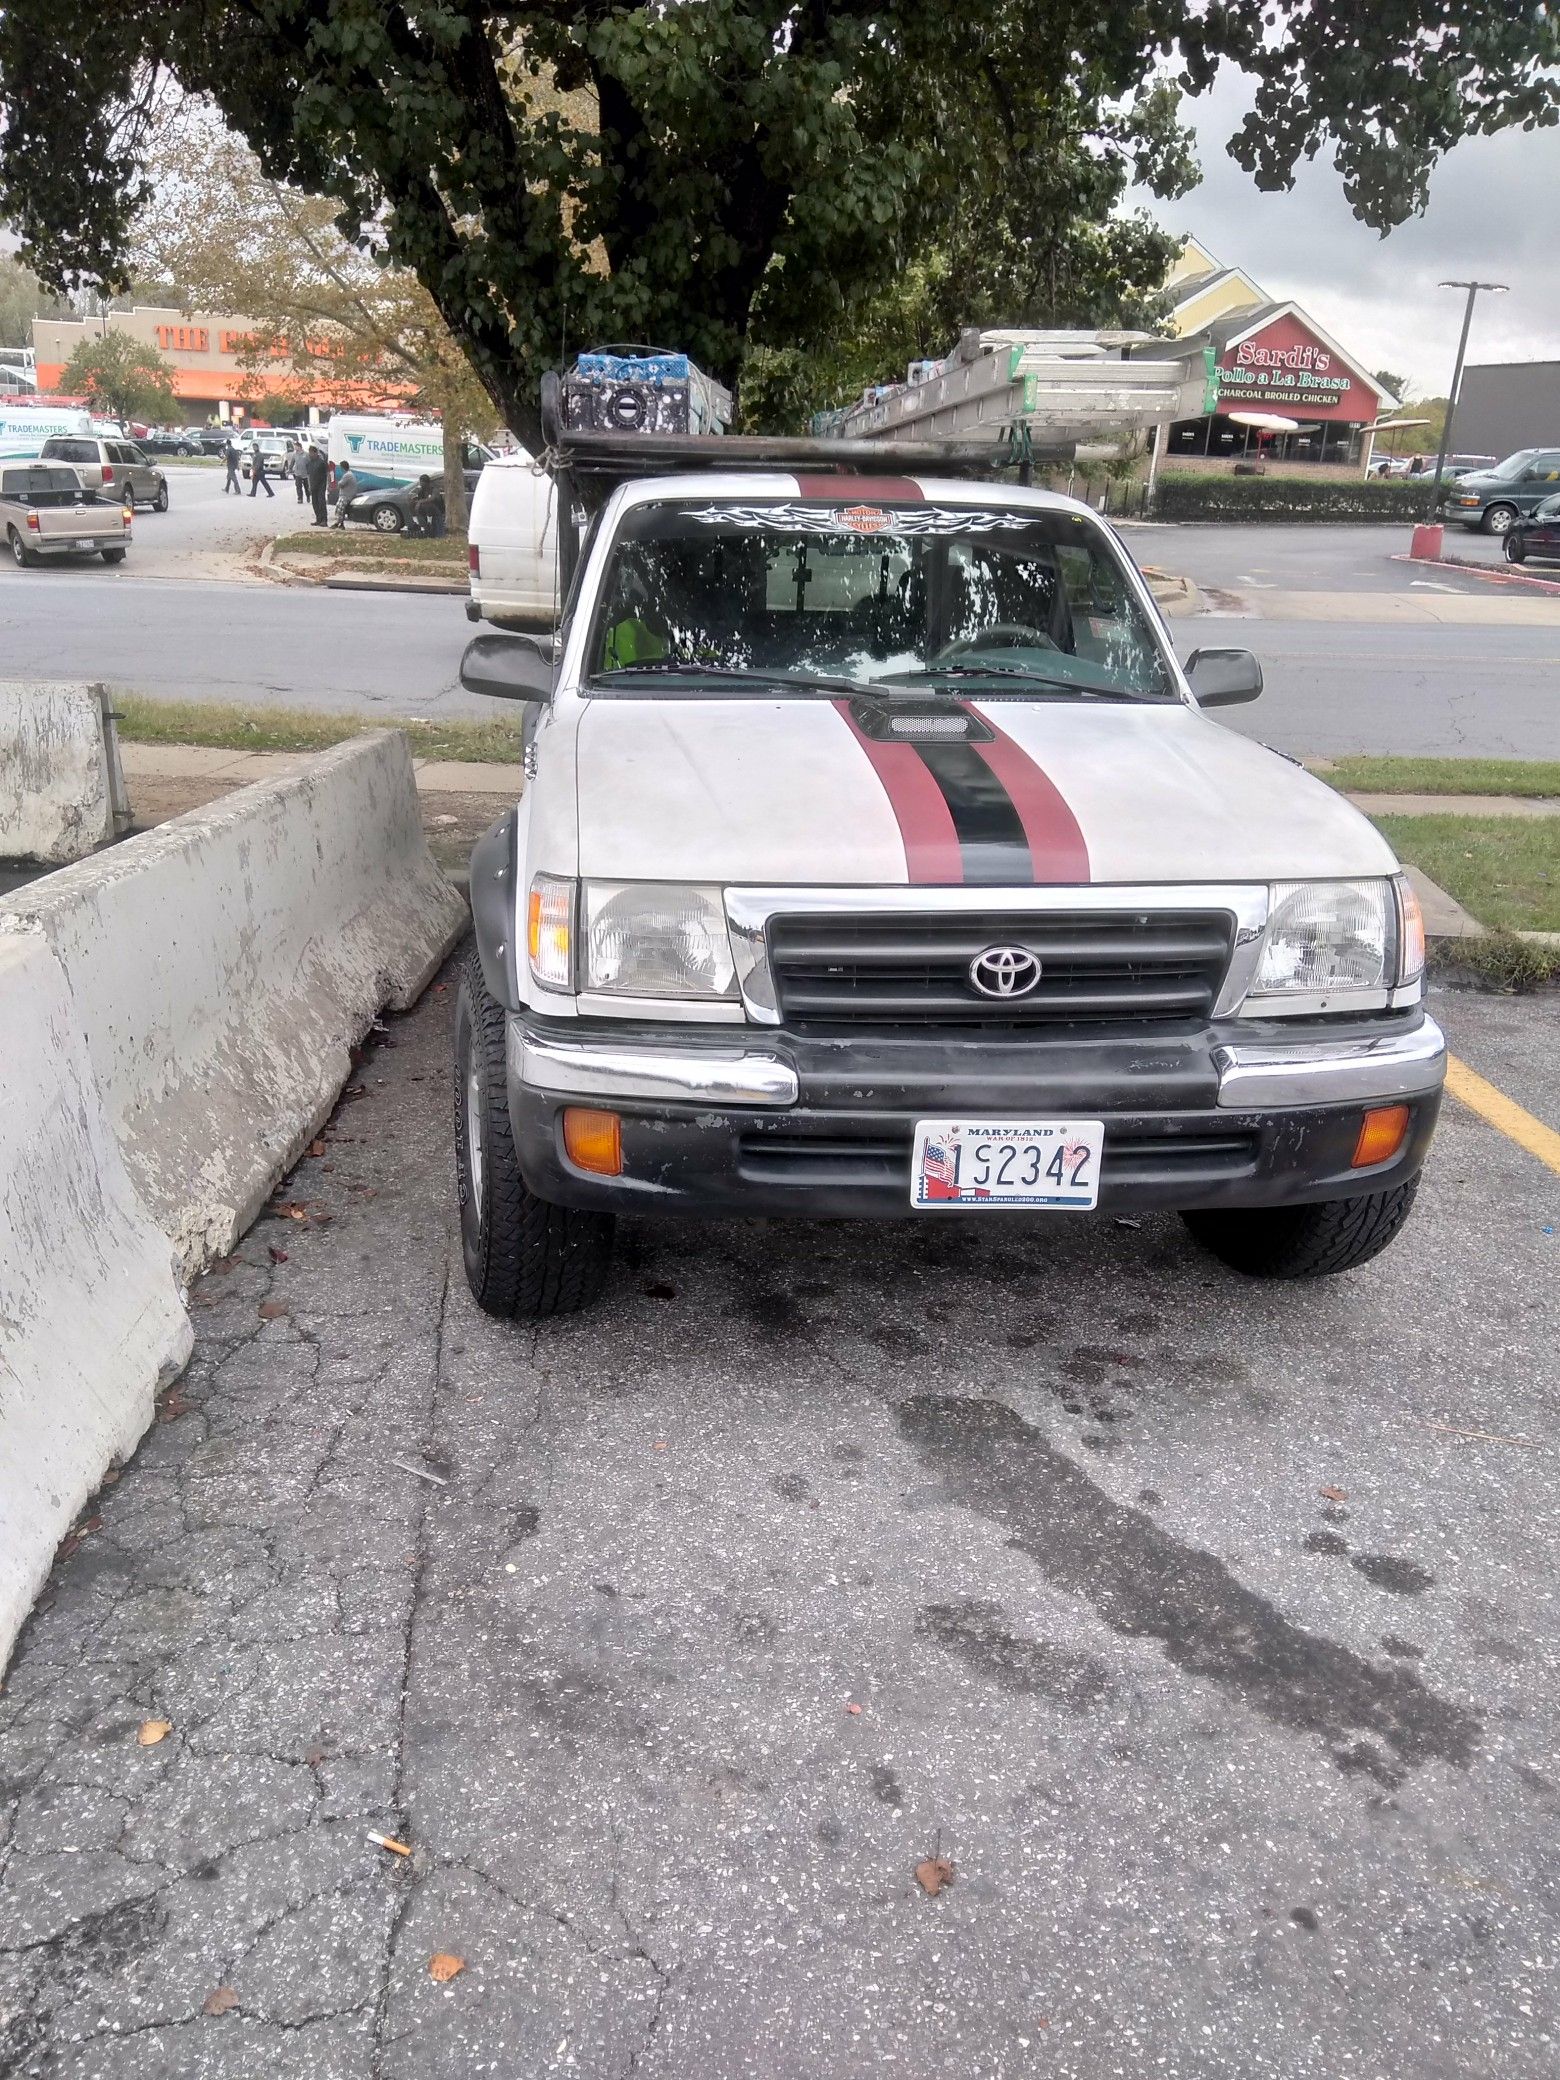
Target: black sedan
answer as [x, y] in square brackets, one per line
[1535, 536]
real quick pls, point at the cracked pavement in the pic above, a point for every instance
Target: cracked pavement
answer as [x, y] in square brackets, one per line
[1155, 1601]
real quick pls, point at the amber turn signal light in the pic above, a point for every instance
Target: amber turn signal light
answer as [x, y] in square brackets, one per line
[1381, 1136]
[593, 1140]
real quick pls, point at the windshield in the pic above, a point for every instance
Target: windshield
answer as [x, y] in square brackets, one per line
[1514, 465]
[917, 597]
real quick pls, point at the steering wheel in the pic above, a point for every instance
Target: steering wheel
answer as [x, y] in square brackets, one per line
[1009, 634]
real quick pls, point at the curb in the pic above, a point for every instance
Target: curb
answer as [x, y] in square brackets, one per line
[349, 581]
[1482, 570]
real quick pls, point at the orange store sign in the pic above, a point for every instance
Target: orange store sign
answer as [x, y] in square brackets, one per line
[183, 339]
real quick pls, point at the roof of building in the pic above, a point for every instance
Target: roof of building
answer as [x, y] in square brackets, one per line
[1234, 326]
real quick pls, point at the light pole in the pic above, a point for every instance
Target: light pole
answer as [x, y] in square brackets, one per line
[1473, 288]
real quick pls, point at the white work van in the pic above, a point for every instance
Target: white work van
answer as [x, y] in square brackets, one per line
[513, 536]
[876, 856]
[25, 428]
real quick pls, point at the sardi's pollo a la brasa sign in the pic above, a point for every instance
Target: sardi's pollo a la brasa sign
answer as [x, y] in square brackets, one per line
[1286, 368]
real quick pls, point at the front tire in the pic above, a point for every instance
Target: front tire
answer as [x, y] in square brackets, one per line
[160, 502]
[1497, 519]
[1305, 1241]
[525, 1258]
[388, 519]
[1516, 549]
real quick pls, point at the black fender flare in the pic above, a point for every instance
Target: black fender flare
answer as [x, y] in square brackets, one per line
[495, 868]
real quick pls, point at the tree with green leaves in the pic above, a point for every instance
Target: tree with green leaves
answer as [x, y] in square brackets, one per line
[560, 173]
[23, 298]
[124, 378]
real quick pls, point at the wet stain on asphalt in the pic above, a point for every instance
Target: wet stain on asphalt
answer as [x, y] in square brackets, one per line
[979, 1635]
[1146, 1585]
[791, 1487]
[886, 1788]
[1385, 1571]
[1403, 1649]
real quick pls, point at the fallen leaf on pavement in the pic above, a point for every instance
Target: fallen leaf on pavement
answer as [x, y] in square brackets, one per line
[444, 1967]
[272, 1310]
[932, 1873]
[154, 1730]
[854, 1710]
[77, 1537]
[290, 1210]
[1333, 1494]
[172, 1406]
[219, 2001]
[316, 1148]
[277, 1256]
[659, 1445]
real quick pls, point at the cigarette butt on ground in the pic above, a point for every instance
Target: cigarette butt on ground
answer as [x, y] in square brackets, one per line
[386, 1841]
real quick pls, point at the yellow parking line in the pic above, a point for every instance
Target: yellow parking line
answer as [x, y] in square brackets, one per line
[1503, 1113]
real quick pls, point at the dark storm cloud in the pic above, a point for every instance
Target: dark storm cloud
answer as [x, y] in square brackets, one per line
[1491, 215]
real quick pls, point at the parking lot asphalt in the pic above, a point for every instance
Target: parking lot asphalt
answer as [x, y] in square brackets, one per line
[1205, 1628]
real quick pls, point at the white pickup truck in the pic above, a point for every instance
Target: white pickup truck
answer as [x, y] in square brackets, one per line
[876, 857]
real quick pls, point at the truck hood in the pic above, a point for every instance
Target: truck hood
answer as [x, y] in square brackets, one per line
[791, 791]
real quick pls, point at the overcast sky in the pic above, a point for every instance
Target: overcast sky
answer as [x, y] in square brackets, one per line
[1492, 216]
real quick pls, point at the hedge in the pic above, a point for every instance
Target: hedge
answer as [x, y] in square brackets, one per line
[1207, 497]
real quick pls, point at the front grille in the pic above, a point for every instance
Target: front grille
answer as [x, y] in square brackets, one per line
[1097, 967]
[831, 1156]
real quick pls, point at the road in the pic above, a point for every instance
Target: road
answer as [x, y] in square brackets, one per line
[1205, 1628]
[1356, 663]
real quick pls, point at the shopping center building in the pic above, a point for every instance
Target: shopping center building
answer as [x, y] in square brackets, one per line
[208, 354]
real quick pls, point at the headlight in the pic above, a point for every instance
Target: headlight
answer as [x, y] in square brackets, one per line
[1324, 938]
[656, 939]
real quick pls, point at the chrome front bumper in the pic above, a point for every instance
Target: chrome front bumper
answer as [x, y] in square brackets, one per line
[1253, 1076]
[1259, 1077]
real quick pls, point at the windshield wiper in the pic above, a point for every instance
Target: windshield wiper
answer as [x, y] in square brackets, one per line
[825, 682]
[933, 672]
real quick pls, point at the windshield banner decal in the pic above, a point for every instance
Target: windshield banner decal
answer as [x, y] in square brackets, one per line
[791, 518]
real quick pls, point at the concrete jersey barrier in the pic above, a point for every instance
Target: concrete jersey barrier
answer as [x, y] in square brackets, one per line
[58, 779]
[91, 1319]
[223, 965]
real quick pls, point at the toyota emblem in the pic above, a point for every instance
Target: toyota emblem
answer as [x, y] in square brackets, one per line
[1005, 971]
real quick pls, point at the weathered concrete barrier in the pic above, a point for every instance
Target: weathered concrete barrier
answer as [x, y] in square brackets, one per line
[223, 965]
[91, 1320]
[59, 779]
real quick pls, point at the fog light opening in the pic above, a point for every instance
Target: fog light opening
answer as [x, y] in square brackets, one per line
[593, 1141]
[1381, 1136]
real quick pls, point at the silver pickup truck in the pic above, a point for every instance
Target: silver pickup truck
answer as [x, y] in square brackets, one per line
[46, 511]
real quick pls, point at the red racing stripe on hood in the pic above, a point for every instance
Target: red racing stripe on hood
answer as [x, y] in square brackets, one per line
[1056, 843]
[932, 851]
[846, 490]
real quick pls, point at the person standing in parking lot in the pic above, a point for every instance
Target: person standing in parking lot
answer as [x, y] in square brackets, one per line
[230, 457]
[257, 475]
[318, 476]
[297, 467]
[346, 491]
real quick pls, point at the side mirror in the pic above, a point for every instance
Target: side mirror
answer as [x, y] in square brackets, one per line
[1223, 678]
[509, 668]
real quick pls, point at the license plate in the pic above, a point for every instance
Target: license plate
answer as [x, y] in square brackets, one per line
[85, 545]
[1033, 1162]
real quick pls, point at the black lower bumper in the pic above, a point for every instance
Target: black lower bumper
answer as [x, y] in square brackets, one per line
[844, 1148]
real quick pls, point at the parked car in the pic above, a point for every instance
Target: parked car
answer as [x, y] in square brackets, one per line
[388, 507]
[169, 441]
[1492, 499]
[876, 857]
[512, 544]
[209, 440]
[47, 512]
[107, 465]
[1536, 536]
[277, 448]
